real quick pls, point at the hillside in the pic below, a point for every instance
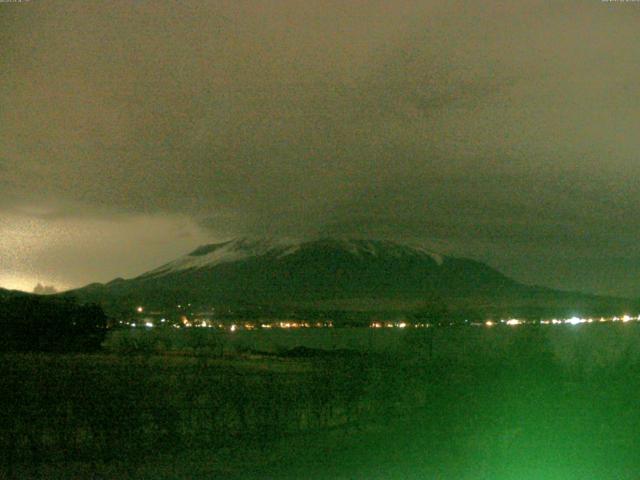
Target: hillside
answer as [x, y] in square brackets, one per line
[336, 274]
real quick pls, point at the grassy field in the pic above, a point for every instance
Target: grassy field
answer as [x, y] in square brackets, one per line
[504, 403]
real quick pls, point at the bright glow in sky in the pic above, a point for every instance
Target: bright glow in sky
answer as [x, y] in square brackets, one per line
[40, 249]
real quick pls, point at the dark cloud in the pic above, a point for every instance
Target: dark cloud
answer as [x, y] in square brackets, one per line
[499, 130]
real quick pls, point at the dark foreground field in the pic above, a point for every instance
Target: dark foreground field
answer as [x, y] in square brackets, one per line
[522, 403]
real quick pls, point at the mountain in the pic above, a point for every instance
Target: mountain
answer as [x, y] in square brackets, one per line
[330, 274]
[5, 294]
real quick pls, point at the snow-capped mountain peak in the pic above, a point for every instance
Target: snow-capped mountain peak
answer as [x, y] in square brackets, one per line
[211, 255]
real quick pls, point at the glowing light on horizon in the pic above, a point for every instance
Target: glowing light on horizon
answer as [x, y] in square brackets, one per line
[26, 283]
[574, 321]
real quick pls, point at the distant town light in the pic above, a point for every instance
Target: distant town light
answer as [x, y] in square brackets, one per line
[233, 328]
[148, 325]
[139, 309]
[513, 321]
[574, 320]
[489, 323]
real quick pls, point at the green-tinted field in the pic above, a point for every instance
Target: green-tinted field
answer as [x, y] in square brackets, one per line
[521, 403]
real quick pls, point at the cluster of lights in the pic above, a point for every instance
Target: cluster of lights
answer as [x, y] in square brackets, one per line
[398, 325]
[294, 325]
[204, 323]
[570, 321]
[185, 322]
[281, 325]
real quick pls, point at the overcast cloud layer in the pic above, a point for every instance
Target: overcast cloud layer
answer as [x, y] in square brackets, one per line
[505, 131]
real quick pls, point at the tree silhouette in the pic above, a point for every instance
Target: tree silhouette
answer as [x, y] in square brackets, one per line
[29, 322]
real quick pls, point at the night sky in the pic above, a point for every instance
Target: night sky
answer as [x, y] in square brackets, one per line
[505, 131]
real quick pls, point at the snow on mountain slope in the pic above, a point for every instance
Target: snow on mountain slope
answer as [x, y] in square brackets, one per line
[208, 256]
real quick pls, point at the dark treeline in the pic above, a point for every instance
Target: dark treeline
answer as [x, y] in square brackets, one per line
[35, 323]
